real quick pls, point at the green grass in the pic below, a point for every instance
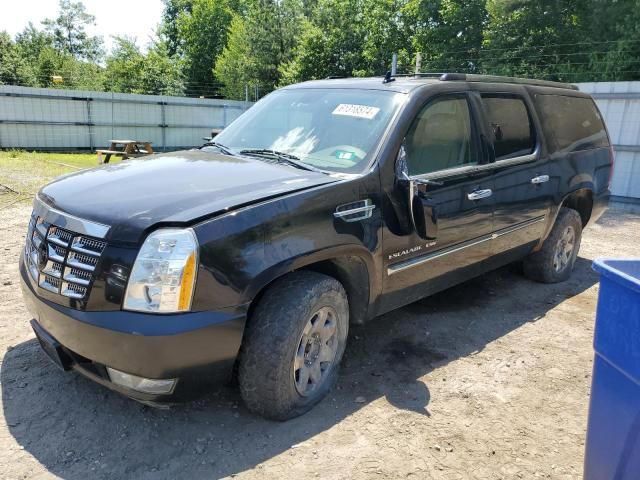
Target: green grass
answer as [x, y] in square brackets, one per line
[23, 173]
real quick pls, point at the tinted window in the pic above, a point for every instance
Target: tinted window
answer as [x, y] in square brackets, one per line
[572, 122]
[440, 137]
[509, 119]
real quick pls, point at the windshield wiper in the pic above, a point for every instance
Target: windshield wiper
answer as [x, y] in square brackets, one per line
[282, 157]
[224, 149]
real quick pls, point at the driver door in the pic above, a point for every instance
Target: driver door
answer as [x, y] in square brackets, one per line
[448, 189]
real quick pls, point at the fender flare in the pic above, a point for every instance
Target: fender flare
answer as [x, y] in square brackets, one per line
[338, 253]
[554, 210]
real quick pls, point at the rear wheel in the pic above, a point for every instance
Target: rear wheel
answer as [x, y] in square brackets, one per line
[293, 345]
[555, 260]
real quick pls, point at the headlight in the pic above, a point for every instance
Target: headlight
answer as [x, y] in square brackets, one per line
[164, 273]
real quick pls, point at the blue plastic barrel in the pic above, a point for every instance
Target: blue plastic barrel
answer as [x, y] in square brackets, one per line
[613, 434]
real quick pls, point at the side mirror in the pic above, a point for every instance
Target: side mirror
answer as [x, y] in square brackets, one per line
[422, 211]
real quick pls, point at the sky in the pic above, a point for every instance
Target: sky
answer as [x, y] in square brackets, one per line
[135, 18]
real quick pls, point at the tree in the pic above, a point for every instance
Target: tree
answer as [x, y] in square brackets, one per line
[259, 45]
[388, 29]
[128, 70]
[69, 32]
[31, 42]
[234, 66]
[123, 67]
[162, 74]
[168, 30]
[351, 38]
[14, 68]
[333, 45]
[203, 35]
[614, 52]
[74, 73]
[536, 38]
[449, 33]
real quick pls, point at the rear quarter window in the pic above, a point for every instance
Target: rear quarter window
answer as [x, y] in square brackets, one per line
[513, 134]
[571, 123]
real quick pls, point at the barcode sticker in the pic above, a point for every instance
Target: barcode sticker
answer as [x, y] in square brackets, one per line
[360, 111]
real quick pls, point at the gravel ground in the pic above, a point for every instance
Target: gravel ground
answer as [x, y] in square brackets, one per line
[487, 380]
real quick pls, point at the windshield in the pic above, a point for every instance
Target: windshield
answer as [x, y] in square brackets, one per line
[330, 129]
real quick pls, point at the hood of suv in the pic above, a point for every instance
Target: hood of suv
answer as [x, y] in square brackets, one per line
[172, 188]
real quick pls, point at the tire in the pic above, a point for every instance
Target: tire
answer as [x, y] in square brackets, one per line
[554, 262]
[301, 320]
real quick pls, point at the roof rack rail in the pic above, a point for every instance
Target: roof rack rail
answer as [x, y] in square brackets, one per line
[421, 75]
[472, 77]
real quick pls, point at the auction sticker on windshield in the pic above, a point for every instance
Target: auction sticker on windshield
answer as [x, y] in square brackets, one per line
[360, 111]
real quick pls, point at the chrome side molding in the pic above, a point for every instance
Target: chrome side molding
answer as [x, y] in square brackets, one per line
[421, 259]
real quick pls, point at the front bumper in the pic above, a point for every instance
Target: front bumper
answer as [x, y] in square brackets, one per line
[197, 348]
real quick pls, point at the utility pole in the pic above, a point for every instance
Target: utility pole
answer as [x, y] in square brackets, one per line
[394, 64]
[418, 62]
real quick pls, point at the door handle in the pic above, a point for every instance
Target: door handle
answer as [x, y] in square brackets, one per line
[540, 179]
[478, 194]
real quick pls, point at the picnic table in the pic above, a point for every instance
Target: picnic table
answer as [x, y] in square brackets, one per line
[125, 149]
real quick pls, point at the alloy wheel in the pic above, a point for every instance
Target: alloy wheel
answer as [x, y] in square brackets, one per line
[316, 351]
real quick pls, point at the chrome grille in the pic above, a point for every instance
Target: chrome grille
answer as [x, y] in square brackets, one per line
[60, 260]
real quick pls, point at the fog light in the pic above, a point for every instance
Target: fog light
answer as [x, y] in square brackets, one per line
[141, 384]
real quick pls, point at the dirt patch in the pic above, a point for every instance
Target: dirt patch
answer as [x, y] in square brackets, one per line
[487, 380]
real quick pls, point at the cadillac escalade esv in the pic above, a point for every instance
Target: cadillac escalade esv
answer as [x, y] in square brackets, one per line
[326, 204]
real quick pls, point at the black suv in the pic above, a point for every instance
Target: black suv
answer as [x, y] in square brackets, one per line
[324, 205]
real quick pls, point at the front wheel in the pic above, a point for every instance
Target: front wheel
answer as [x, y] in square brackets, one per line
[554, 261]
[293, 345]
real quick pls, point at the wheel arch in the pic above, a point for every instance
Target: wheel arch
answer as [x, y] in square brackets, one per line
[351, 267]
[580, 200]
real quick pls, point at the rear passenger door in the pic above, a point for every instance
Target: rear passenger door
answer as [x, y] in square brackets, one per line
[523, 184]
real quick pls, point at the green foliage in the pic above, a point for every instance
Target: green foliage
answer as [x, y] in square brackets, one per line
[388, 28]
[259, 45]
[203, 34]
[14, 67]
[31, 42]
[617, 22]
[208, 47]
[128, 70]
[331, 42]
[350, 38]
[234, 66]
[570, 40]
[312, 58]
[168, 30]
[69, 32]
[449, 33]
[534, 37]
[75, 73]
